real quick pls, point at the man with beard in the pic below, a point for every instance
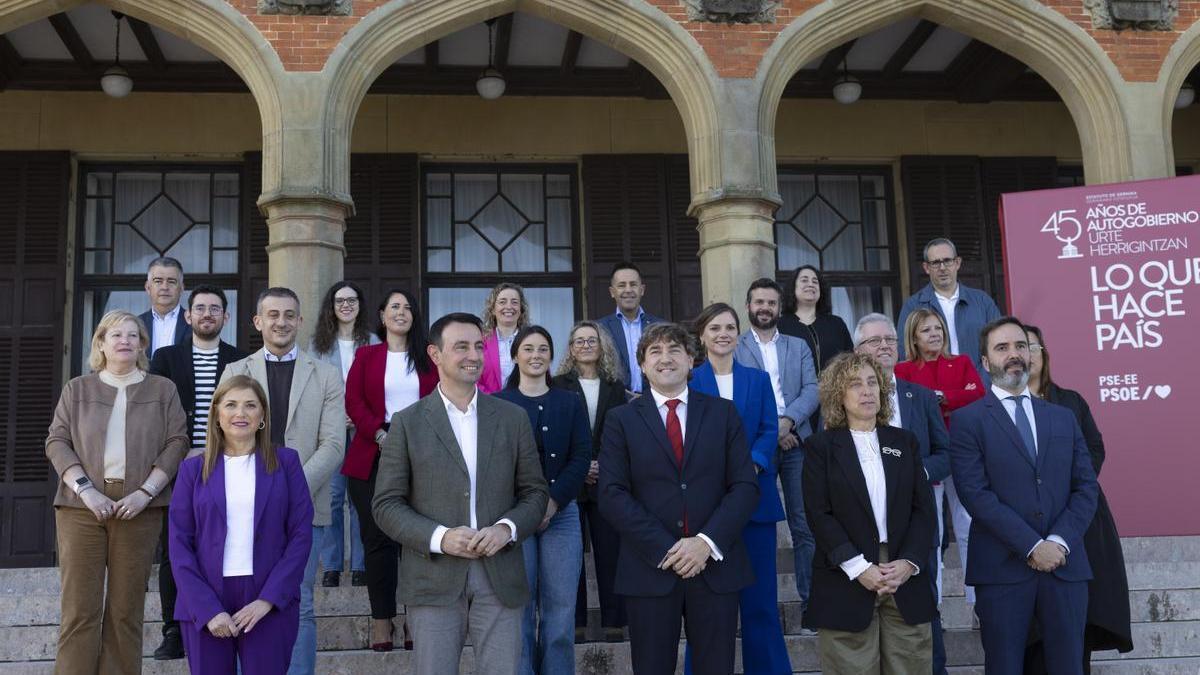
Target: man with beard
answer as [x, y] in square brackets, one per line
[1023, 473]
[195, 365]
[793, 374]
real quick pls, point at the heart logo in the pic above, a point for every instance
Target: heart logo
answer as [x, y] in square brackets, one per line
[1163, 390]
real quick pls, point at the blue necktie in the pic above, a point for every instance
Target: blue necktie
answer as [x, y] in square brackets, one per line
[1023, 426]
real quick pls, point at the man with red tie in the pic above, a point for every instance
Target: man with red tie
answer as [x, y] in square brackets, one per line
[678, 485]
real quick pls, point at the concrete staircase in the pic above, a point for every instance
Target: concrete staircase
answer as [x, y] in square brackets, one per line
[1164, 581]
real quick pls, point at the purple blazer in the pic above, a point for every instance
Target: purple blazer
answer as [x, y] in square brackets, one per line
[283, 513]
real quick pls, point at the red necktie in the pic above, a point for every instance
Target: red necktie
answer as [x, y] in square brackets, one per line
[675, 435]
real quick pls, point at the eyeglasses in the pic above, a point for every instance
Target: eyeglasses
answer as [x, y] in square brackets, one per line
[585, 342]
[348, 302]
[876, 341]
[211, 310]
[1035, 348]
[941, 264]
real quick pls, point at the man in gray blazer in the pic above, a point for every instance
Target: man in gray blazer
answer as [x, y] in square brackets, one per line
[308, 414]
[460, 485]
[789, 362]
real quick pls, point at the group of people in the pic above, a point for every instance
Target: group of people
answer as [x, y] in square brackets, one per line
[474, 479]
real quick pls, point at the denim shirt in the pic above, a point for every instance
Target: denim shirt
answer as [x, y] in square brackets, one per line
[975, 310]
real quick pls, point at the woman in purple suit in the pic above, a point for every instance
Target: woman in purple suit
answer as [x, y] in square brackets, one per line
[241, 532]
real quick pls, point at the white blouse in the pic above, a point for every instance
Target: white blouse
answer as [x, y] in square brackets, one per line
[725, 386]
[401, 387]
[591, 396]
[239, 516]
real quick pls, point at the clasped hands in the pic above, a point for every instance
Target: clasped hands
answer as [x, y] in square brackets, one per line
[466, 542]
[687, 558]
[1047, 556]
[104, 508]
[246, 618]
[886, 578]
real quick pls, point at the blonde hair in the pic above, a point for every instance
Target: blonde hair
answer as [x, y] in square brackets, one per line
[836, 378]
[489, 307]
[913, 324]
[607, 363]
[214, 442]
[96, 358]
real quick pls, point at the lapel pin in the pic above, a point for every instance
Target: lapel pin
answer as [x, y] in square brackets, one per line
[908, 394]
[890, 451]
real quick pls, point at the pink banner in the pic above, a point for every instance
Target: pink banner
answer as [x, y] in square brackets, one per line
[1107, 273]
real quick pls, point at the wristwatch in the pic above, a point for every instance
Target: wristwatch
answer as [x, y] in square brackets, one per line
[81, 483]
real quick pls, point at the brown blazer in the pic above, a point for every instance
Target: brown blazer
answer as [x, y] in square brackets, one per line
[155, 433]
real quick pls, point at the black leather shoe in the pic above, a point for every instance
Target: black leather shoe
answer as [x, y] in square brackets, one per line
[331, 579]
[358, 578]
[171, 647]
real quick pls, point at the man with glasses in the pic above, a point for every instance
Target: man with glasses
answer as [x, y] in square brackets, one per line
[965, 310]
[194, 364]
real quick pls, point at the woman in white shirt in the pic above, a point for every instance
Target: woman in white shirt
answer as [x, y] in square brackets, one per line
[871, 511]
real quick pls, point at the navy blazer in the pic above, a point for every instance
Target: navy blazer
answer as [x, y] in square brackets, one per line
[564, 438]
[644, 493]
[283, 515]
[612, 323]
[755, 401]
[1014, 501]
[182, 329]
[175, 364]
[920, 414]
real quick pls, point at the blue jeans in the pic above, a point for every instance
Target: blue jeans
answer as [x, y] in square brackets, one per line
[791, 465]
[304, 654]
[333, 548]
[553, 559]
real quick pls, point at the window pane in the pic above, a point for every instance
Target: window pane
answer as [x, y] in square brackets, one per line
[99, 185]
[162, 223]
[439, 260]
[499, 222]
[192, 250]
[443, 301]
[134, 191]
[226, 185]
[131, 253]
[225, 262]
[559, 222]
[845, 252]
[226, 217]
[852, 302]
[875, 225]
[189, 191]
[796, 190]
[96, 262]
[525, 192]
[554, 310]
[97, 226]
[472, 253]
[872, 186]
[471, 192]
[437, 184]
[878, 260]
[793, 251]
[842, 193]
[437, 219]
[819, 223]
[558, 185]
[525, 254]
[560, 260]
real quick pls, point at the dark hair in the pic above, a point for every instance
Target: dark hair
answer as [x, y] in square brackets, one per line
[327, 322]
[165, 261]
[210, 290]
[986, 331]
[670, 333]
[624, 265]
[435, 331]
[706, 316]
[824, 301]
[1045, 382]
[514, 378]
[418, 337]
[276, 292]
[763, 282]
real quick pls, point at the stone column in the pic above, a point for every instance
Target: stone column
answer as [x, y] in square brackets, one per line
[306, 250]
[1149, 132]
[737, 246]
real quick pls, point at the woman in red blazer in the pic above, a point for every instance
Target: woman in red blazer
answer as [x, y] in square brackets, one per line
[384, 379]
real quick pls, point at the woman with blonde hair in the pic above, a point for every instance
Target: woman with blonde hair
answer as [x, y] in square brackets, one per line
[116, 440]
[504, 313]
[241, 534]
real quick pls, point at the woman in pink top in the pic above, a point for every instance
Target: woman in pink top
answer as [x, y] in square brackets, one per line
[504, 313]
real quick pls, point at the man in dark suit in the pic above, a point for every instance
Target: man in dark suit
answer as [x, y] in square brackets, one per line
[677, 483]
[1022, 470]
[165, 319]
[914, 408]
[627, 323]
[459, 484]
[195, 365]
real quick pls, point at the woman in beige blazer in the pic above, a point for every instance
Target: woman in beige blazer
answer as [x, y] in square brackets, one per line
[117, 437]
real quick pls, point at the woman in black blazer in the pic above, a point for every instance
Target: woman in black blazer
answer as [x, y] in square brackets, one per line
[871, 511]
[592, 370]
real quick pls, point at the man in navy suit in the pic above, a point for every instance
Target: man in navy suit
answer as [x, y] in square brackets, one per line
[677, 483]
[165, 319]
[914, 408]
[1022, 470]
[625, 326]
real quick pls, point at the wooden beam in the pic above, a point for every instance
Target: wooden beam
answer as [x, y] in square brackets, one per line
[909, 48]
[71, 40]
[571, 52]
[431, 55]
[148, 43]
[208, 77]
[504, 27]
[916, 86]
[984, 78]
[832, 63]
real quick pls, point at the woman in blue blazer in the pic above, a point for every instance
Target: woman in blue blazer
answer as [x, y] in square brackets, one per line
[241, 531]
[763, 649]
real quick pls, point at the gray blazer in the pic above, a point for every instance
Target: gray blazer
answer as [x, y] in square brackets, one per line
[422, 483]
[316, 426]
[797, 375]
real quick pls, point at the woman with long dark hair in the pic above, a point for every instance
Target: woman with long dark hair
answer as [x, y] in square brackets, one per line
[385, 379]
[808, 315]
[341, 330]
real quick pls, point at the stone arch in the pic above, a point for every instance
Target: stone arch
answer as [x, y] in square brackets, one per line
[212, 24]
[636, 29]
[1042, 38]
[1183, 56]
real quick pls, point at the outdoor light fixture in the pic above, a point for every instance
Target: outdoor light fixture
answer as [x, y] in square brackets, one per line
[848, 89]
[1186, 96]
[490, 84]
[116, 81]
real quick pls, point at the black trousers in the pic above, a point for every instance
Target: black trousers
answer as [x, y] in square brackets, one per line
[381, 555]
[709, 620]
[167, 592]
[605, 544]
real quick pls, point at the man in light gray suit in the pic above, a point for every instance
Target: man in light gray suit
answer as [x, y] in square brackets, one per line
[789, 362]
[308, 414]
[460, 485]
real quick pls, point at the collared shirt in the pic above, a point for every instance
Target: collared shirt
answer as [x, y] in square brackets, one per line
[290, 356]
[770, 356]
[660, 402]
[896, 421]
[948, 305]
[164, 327]
[466, 431]
[870, 460]
[504, 347]
[633, 335]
